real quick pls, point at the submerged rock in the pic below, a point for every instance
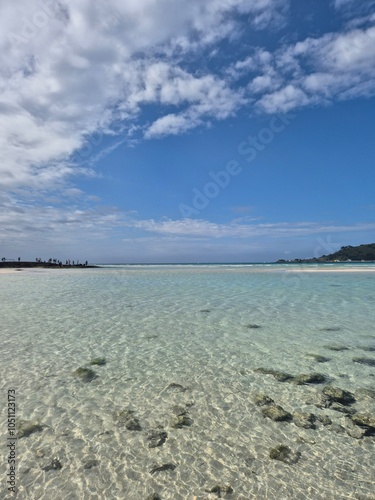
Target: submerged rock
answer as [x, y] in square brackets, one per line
[310, 378]
[337, 348]
[339, 429]
[276, 413]
[180, 421]
[342, 408]
[323, 419]
[368, 348]
[90, 464]
[126, 418]
[335, 394]
[365, 421]
[284, 454]
[55, 464]
[354, 431]
[161, 468]
[220, 490]
[330, 329]
[98, 361]
[176, 387]
[364, 361]
[262, 400]
[318, 358]
[278, 375]
[26, 427]
[180, 410]
[84, 374]
[305, 420]
[153, 496]
[156, 438]
[133, 425]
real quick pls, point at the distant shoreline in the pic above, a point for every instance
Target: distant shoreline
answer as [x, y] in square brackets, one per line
[285, 267]
[298, 262]
[316, 261]
[44, 265]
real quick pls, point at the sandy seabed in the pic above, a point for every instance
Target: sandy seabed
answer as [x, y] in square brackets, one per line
[188, 342]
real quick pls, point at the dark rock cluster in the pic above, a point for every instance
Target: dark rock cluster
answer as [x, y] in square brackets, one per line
[84, 374]
[357, 425]
[284, 454]
[364, 361]
[156, 438]
[25, 428]
[308, 378]
[126, 418]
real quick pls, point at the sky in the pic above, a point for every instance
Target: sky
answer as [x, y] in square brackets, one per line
[186, 130]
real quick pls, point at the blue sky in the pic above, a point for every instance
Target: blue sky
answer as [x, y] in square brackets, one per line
[190, 131]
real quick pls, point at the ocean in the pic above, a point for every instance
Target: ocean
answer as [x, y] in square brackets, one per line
[177, 405]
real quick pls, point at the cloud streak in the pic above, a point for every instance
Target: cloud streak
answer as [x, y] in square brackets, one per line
[206, 229]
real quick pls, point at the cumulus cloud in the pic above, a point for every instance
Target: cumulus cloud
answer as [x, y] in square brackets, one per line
[317, 70]
[69, 69]
[73, 69]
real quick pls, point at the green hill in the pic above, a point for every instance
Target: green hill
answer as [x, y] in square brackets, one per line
[349, 253]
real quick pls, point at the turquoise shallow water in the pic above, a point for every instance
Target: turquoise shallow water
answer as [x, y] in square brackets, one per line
[191, 326]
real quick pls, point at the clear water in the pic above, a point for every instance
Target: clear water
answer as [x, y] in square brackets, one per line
[187, 325]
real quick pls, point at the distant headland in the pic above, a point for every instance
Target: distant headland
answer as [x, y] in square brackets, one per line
[49, 264]
[360, 253]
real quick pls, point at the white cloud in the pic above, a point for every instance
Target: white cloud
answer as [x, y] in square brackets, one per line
[172, 124]
[264, 83]
[69, 69]
[318, 70]
[208, 97]
[285, 99]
